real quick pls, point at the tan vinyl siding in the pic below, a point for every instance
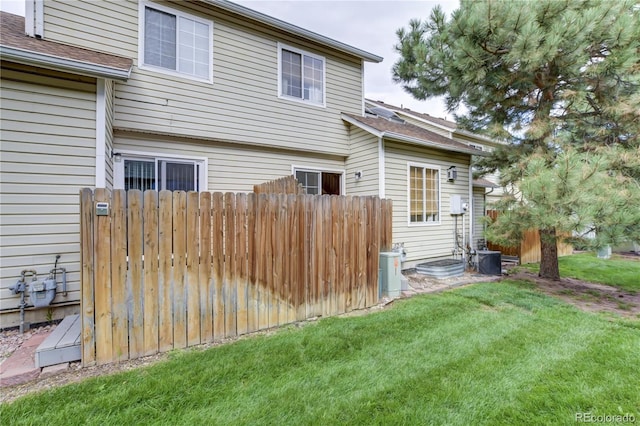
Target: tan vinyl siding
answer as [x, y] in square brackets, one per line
[231, 167]
[109, 98]
[105, 26]
[241, 105]
[363, 156]
[48, 154]
[429, 241]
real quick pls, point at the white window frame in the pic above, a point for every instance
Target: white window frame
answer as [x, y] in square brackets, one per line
[121, 155]
[424, 166]
[303, 53]
[320, 170]
[141, 33]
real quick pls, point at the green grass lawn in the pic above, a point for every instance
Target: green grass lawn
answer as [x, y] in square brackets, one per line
[499, 353]
[624, 274]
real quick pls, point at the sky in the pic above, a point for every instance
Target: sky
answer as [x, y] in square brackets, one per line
[369, 25]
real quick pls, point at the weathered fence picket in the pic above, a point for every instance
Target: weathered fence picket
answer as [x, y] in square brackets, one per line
[171, 270]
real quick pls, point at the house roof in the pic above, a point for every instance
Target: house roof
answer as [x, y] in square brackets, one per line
[16, 46]
[410, 133]
[484, 183]
[293, 29]
[451, 125]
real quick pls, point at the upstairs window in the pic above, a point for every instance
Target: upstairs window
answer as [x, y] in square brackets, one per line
[424, 194]
[301, 75]
[175, 42]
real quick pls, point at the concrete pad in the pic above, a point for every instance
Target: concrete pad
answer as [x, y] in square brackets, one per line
[20, 367]
[53, 370]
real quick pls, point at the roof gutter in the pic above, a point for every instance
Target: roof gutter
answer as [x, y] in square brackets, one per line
[57, 63]
[293, 29]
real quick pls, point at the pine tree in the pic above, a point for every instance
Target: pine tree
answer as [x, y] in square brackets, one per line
[559, 81]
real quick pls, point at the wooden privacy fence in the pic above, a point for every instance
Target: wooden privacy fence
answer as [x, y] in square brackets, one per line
[174, 269]
[529, 249]
[285, 185]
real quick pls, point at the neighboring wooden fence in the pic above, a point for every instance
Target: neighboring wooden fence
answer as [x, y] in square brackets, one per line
[285, 185]
[529, 249]
[173, 269]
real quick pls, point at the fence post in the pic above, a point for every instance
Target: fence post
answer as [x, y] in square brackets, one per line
[87, 298]
[102, 250]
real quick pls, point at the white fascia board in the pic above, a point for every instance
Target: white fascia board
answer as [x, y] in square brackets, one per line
[423, 142]
[56, 63]
[294, 29]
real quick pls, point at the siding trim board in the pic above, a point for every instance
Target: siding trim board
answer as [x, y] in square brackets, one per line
[381, 168]
[101, 130]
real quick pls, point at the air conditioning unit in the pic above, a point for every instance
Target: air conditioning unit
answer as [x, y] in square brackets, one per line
[489, 262]
[390, 274]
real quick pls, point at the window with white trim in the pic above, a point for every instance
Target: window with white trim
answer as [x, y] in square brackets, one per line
[175, 42]
[159, 173]
[301, 75]
[317, 182]
[424, 194]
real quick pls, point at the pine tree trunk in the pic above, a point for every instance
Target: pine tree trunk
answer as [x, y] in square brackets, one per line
[549, 254]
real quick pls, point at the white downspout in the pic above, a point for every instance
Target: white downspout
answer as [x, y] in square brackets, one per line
[470, 204]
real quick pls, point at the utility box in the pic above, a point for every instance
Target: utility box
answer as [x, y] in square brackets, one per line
[489, 262]
[456, 205]
[390, 275]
